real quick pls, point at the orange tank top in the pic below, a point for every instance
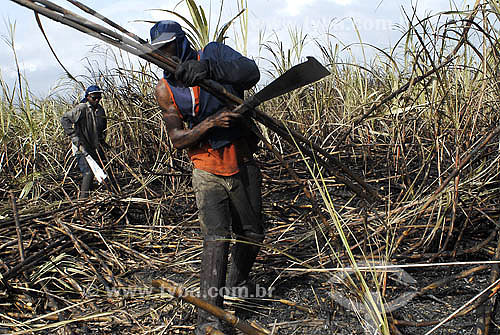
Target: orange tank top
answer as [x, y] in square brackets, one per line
[224, 161]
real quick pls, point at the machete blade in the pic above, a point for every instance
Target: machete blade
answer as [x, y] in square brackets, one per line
[297, 76]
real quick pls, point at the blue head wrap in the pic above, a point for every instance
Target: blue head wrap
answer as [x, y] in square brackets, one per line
[169, 31]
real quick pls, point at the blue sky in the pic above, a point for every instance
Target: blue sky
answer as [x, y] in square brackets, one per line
[376, 21]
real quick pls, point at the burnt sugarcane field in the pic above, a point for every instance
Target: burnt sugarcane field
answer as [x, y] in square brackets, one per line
[376, 209]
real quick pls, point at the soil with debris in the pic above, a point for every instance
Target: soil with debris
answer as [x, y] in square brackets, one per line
[99, 282]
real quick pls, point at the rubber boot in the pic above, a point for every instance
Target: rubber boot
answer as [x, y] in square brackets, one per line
[212, 279]
[86, 184]
[243, 255]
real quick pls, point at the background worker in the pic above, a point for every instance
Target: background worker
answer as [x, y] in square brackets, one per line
[226, 180]
[86, 124]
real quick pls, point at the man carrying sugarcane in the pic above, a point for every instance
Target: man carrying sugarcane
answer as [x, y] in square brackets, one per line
[226, 180]
[86, 124]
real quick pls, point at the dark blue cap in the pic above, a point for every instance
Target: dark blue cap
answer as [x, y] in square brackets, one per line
[164, 32]
[92, 89]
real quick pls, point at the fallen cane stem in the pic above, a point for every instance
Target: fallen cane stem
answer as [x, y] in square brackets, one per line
[18, 226]
[179, 292]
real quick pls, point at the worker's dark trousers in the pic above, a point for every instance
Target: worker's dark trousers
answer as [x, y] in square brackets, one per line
[227, 204]
[87, 176]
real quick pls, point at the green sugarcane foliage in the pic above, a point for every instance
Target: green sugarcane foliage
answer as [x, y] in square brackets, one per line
[199, 30]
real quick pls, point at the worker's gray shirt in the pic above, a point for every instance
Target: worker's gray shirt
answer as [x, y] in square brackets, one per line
[86, 122]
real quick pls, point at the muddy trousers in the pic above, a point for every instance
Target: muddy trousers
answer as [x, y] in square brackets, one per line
[212, 278]
[87, 176]
[227, 204]
[86, 185]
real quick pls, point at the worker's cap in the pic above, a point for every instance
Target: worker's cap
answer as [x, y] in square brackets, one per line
[92, 89]
[164, 32]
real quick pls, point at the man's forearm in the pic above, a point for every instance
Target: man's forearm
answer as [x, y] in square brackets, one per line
[185, 138]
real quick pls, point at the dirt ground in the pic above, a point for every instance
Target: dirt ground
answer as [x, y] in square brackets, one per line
[300, 303]
[316, 312]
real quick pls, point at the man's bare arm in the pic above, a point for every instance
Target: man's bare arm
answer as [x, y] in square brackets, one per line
[184, 138]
